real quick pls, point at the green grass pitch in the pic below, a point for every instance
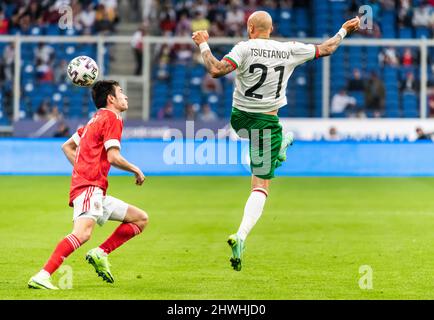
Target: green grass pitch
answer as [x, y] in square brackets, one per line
[314, 235]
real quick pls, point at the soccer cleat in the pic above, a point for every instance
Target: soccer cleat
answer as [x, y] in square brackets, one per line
[237, 246]
[287, 141]
[98, 259]
[39, 282]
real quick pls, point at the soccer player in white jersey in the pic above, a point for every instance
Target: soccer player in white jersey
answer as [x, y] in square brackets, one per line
[263, 67]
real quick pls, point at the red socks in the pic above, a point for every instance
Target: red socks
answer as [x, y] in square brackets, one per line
[71, 243]
[122, 234]
[62, 251]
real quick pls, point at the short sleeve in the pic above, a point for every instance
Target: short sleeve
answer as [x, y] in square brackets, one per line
[236, 56]
[112, 133]
[303, 52]
[77, 136]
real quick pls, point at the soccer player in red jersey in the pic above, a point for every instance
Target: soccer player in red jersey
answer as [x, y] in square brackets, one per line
[91, 151]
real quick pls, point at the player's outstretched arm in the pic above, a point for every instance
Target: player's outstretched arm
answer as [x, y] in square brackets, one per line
[328, 47]
[214, 67]
[117, 160]
[69, 149]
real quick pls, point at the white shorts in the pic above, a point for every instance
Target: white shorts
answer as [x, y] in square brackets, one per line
[92, 203]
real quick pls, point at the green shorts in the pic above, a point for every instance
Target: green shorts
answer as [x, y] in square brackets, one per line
[265, 134]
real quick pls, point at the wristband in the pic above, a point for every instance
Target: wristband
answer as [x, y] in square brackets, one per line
[342, 32]
[204, 47]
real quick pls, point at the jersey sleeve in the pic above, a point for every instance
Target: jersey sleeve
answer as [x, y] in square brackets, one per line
[236, 56]
[303, 52]
[77, 135]
[112, 133]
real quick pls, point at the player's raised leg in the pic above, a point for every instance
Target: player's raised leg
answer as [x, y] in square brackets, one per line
[81, 233]
[252, 212]
[133, 219]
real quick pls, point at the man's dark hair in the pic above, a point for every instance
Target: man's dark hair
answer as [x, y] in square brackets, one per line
[101, 90]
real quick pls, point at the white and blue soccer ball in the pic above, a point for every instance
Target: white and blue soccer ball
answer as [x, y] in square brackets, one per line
[82, 71]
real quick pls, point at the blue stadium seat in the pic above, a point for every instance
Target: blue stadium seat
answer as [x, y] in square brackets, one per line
[405, 33]
[52, 30]
[423, 32]
[410, 105]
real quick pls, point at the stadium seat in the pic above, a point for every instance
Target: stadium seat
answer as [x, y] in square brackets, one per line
[405, 33]
[423, 32]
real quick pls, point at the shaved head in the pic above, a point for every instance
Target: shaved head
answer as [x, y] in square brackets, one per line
[260, 22]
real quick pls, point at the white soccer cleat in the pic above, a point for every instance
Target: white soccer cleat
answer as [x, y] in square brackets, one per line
[287, 141]
[41, 281]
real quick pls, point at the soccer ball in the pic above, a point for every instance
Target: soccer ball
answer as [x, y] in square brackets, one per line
[82, 71]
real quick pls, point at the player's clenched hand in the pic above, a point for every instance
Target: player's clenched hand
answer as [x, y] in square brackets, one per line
[140, 178]
[200, 36]
[352, 25]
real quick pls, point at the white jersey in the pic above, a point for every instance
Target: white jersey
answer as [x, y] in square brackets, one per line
[263, 69]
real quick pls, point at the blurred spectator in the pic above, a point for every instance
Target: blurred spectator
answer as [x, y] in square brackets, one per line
[162, 71]
[211, 85]
[163, 61]
[4, 23]
[103, 22]
[166, 112]
[405, 13]
[389, 57]
[217, 28]
[431, 106]
[43, 111]
[52, 15]
[168, 25]
[409, 84]
[375, 95]
[333, 135]
[137, 45]
[111, 9]
[342, 103]
[86, 19]
[199, 22]
[55, 113]
[44, 53]
[190, 112]
[201, 6]
[44, 72]
[422, 15]
[374, 32]
[234, 20]
[183, 52]
[9, 58]
[184, 24]
[356, 83]
[421, 135]
[207, 114]
[407, 57]
[60, 74]
[33, 11]
[352, 9]
[62, 131]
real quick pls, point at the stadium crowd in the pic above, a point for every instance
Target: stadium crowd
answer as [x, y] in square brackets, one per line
[31, 17]
[363, 91]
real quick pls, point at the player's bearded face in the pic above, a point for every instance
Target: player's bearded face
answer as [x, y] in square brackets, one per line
[121, 100]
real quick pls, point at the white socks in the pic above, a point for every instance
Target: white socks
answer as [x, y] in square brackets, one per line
[252, 211]
[43, 274]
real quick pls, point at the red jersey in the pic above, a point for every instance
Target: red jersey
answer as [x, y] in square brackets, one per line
[91, 166]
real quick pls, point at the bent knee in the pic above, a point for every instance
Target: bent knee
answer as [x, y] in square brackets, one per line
[142, 220]
[83, 236]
